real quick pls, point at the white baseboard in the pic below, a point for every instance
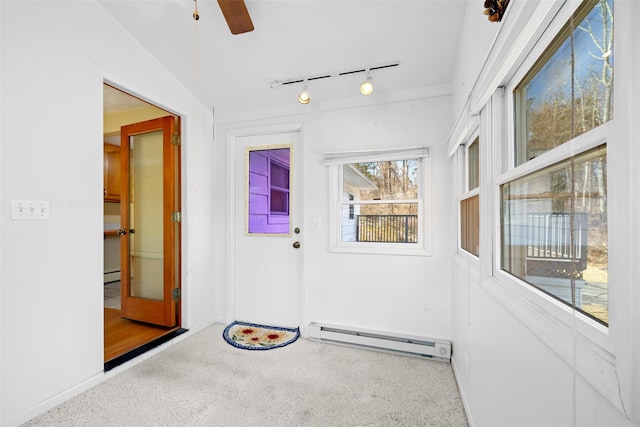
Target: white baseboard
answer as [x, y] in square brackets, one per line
[465, 403]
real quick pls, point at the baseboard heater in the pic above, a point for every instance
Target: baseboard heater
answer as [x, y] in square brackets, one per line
[111, 276]
[426, 347]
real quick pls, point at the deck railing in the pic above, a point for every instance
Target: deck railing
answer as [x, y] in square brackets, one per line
[387, 228]
[557, 244]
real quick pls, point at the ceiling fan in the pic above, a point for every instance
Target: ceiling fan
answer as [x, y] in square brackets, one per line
[237, 16]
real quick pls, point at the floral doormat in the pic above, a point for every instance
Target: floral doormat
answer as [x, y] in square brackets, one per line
[250, 336]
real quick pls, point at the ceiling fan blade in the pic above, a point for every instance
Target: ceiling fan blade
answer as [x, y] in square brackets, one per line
[237, 16]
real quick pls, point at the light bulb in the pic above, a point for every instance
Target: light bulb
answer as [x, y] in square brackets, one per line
[366, 88]
[303, 97]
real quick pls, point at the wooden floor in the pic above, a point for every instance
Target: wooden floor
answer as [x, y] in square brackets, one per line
[122, 336]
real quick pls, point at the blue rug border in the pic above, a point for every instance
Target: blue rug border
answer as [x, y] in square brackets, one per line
[225, 335]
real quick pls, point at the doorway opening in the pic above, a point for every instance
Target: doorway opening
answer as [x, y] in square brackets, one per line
[141, 226]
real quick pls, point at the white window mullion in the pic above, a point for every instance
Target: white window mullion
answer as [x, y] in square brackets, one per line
[491, 137]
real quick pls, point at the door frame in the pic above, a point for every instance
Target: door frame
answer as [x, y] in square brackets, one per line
[234, 218]
[104, 79]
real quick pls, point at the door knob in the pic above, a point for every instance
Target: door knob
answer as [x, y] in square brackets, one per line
[122, 232]
[296, 245]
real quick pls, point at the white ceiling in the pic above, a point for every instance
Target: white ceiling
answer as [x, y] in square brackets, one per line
[297, 39]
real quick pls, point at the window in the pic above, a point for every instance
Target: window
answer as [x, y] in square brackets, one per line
[268, 187]
[470, 202]
[387, 202]
[379, 202]
[279, 183]
[554, 231]
[570, 89]
[554, 213]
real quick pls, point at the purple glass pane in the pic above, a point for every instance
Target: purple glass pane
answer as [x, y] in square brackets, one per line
[269, 191]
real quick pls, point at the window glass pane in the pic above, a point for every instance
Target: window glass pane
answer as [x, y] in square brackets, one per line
[473, 165]
[394, 181]
[279, 202]
[279, 176]
[548, 104]
[569, 90]
[268, 191]
[593, 65]
[380, 223]
[470, 224]
[379, 206]
[388, 180]
[554, 231]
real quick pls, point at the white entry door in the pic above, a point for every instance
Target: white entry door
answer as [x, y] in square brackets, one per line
[268, 234]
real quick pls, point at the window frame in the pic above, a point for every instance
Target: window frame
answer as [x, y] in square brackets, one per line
[274, 218]
[554, 321]
[561, 153]
[605, 133]
[474, 140]
[465, 192]
[547, 47]
[335, 162]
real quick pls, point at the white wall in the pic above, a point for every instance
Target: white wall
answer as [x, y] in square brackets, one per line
[405, 294]
[55, 56]
[519, 360]
[476, 39]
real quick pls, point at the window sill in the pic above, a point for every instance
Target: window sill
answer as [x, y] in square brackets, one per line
[381, 249]
[468, 256]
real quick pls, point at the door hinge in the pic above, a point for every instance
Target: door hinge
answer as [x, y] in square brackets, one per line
[176, 216]
[176, 139]
[176, 294]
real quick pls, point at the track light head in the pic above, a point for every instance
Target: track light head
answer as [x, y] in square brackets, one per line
[303, 97]
[366, 87]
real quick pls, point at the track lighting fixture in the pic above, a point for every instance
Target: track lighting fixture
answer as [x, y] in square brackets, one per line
[366, 87]
[303, 97]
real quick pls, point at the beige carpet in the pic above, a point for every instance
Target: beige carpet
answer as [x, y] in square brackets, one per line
[203, 381]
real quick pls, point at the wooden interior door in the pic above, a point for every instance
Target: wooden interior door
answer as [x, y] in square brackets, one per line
[150, 225]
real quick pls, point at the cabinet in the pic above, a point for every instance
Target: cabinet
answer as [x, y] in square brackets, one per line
[111, 173]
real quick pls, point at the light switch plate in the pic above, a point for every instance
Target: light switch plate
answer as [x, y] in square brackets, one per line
[29, 209]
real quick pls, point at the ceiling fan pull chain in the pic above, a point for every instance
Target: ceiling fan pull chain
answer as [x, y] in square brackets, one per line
[196, 15]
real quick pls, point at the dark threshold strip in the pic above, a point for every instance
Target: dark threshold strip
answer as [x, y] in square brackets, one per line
[142, 349]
